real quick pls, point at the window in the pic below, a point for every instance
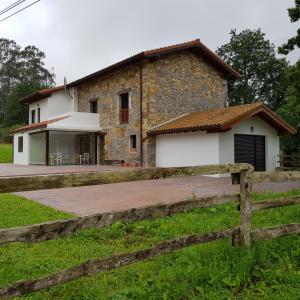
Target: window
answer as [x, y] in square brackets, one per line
[39, 114]
[20, 144]
[133, 142]
[124, 108]
[33, 116]
[93, 107]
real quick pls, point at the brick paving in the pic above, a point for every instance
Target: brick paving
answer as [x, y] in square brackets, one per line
[29, 170]
[118, 196]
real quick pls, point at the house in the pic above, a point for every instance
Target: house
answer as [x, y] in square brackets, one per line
[163, 107]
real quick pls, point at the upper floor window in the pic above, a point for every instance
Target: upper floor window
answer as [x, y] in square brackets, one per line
[20, 144]
[39, 114]
[33, 116]
[94, 107]
[124, 108]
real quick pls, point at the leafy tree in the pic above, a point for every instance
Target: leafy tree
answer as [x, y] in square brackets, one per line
[262, 73]
[294, 14]
[291, 110]
[22, 72]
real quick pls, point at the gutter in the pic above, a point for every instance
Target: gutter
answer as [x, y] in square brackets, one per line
[141, 114]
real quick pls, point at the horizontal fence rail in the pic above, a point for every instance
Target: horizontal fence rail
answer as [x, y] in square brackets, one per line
[61, 228]
[289, 161]
[276, 232]
[24, 287]
[94, 266]
[256, 206]
[242, 174]
[38, 182]
[276, 176]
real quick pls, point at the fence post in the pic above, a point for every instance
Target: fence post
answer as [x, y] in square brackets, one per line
[245, 209]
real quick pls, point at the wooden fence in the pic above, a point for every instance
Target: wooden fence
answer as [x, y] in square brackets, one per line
[289, 162]
[242, 174]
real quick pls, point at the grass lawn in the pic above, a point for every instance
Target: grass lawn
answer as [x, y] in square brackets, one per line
[17, 211]
[217, 270]
[6, 153]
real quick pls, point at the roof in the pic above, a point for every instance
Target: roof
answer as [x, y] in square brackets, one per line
[37, 125]
[41, 94]
[222, 119]
[196, 45]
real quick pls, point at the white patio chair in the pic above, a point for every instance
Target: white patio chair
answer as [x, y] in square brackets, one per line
[86, 158]
[58, 158]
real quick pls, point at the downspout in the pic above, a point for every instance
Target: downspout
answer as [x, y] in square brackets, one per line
[141, 113]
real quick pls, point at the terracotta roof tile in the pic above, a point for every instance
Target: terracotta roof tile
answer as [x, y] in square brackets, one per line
[37, 125]
[41, 94]
[220, 119]
[227, 70]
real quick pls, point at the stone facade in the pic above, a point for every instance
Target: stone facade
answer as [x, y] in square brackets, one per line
[106, 91]
[170, 86]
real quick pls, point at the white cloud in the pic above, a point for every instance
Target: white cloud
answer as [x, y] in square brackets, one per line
[80, 37]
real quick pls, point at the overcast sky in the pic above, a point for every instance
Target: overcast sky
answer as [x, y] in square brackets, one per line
[80, 37]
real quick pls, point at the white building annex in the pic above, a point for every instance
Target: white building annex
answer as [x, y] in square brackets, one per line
[246, 133]
[56, 133]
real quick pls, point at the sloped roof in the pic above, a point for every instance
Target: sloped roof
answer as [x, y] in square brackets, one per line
[222, 119]
[37, 125]
[41, 94]
[196, 45]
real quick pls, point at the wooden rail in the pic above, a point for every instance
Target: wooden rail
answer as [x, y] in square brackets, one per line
[289, 162]
[255, 206]
[276, 176]
[242, 235]
[61, 228]
[90, 267]
[38, 182]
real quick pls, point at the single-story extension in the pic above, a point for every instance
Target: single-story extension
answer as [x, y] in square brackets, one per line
[245, 133]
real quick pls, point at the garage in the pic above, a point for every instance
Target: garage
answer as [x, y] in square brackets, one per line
[250, 149]
[240, 134]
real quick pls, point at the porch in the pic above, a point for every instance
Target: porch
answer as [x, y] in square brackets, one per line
[54, 148]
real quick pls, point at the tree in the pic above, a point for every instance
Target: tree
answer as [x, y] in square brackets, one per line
[291, 110]
[22, 72]
[294, 14]
[262, 73]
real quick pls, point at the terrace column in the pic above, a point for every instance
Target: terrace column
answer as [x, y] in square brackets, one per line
[47, 148]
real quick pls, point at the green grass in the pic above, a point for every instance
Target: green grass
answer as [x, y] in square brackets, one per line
[6, 153]
[17, 211]
[217, 270]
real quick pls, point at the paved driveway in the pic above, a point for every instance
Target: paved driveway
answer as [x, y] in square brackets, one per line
[28, 170]
[118, 196]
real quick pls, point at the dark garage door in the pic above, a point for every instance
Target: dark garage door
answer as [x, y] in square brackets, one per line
[250, 149]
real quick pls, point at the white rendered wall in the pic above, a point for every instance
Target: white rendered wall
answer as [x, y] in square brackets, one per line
[77, 121]
[260, 127]
[21, 158]
[43, 105]
[187, 149]
[58, 103]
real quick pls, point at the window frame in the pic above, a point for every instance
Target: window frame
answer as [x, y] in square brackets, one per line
[38, 114]
[33, 116]
[124, 112]
[133, 142]
[20, 144]
[93, 106]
